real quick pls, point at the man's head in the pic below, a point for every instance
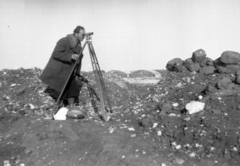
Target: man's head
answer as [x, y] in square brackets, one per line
[79, 32]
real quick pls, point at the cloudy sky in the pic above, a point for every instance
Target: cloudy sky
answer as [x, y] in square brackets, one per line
[128, 34]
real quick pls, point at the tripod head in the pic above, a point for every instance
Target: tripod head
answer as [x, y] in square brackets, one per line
[88, 36]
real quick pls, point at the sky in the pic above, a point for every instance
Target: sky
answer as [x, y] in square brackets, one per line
[128, 34]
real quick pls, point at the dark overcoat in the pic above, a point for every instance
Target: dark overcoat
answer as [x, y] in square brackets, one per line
[60, 64]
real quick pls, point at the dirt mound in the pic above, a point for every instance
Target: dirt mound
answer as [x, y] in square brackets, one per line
[190, 117]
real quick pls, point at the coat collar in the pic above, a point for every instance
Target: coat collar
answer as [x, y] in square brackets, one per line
[72, 40]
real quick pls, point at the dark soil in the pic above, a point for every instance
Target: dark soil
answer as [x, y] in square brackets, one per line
[149, 125]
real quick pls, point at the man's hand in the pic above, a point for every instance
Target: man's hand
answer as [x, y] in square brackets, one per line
[75, 56]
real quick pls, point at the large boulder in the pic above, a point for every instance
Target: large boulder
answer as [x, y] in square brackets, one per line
[222, 70]
[198, 56]
[206, 62]
[224, 83]
[175, 65]
[208, 69]
[217, 62]
[191, 66]
[233, 68]
[230, 57]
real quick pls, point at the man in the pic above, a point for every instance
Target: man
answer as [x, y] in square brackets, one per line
[60, 64]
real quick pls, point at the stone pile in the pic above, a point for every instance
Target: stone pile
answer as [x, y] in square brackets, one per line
[194, 109]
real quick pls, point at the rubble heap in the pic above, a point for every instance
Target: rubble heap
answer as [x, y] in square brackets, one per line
[195, 108]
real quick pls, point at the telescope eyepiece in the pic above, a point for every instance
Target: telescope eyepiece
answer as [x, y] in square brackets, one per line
[88, 34]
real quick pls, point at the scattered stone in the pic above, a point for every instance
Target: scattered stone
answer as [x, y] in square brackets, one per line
[179, 161]
[216, 111]
[166, 109]
[175, 104]
[178, 147]
[6, 163]
[210, 89]
[154, 125]
[237, 79]
[187, 118]
[192, 154]
[131, 129]
[145, 122]
[178, 85]
[238, 107]
[159, 132]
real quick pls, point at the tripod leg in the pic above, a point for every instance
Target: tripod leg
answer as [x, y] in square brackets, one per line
[96, 71]
[104, 90]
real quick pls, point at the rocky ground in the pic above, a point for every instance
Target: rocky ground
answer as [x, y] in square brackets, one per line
[190, 117]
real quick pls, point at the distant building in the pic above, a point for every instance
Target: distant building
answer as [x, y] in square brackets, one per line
[141, 73]
[119, 73]
[157, 74]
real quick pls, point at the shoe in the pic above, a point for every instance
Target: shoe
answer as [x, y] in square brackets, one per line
[75, 112]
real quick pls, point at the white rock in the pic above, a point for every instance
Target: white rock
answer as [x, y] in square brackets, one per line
[61, 114]
[174, 143]
[194, 106]
[175, 104]
[111, 129]
[159, 132]
[6, 163]
[178, 85]
[200, 97]
[131, 129]
[31, 106]
[178, 147]
[163, 164]
[187, 118]
[192, 154]
[179, 161]
[12, 85]
[155, 125]
[235, 149]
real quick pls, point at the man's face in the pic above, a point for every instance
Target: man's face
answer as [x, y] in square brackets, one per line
[80, 35]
